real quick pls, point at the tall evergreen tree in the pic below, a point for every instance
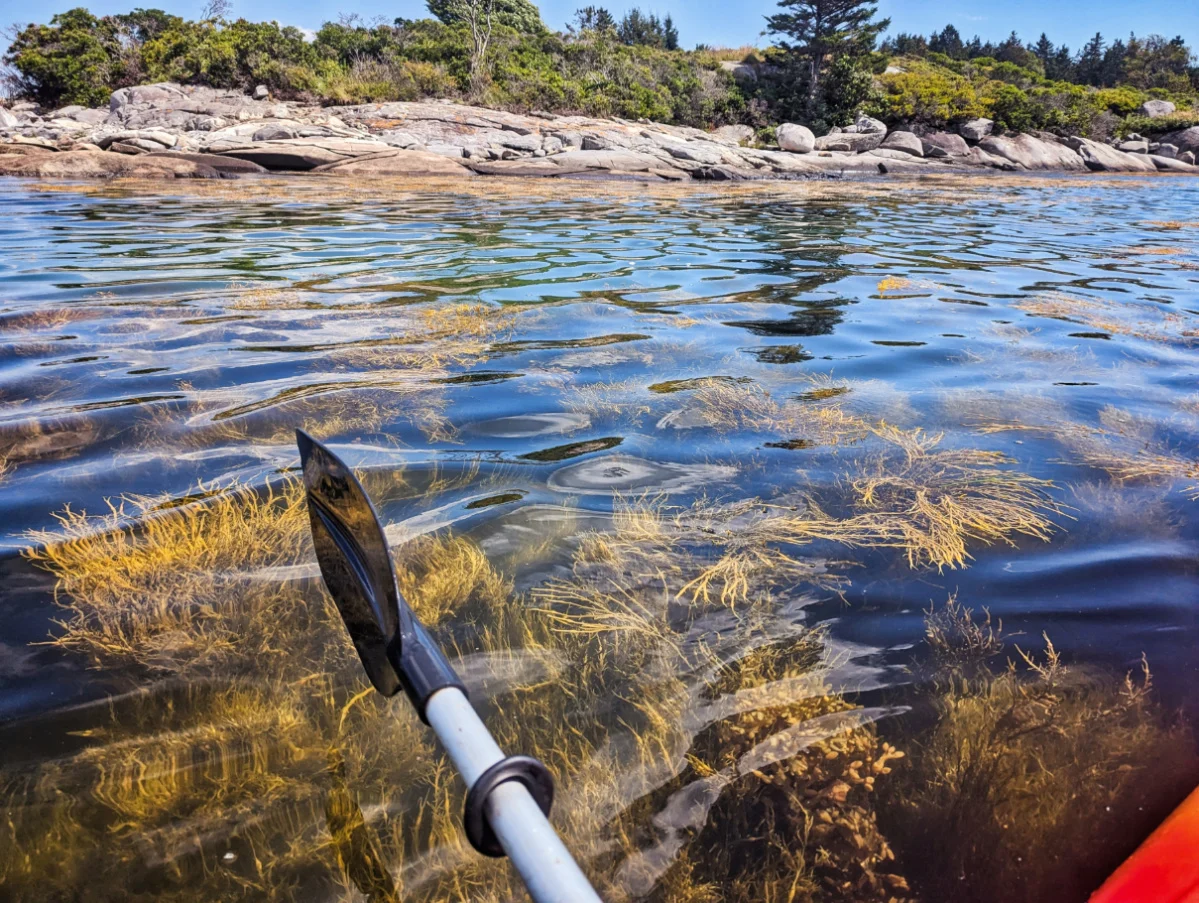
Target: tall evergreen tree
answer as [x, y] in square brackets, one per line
[1090, 61]
[1044, 50]
[594, 18]
[1112, 70]
[1061, 65]
[816, 31]
[640, 28]
[949, 42]
[670, 34]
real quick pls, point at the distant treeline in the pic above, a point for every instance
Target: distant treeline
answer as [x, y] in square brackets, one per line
[1144, 63]
[824, 65]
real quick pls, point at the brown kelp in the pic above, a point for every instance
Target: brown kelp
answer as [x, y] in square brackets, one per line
[1035, 779]
[252, 758]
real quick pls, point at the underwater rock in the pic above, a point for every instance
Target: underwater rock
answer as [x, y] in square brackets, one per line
[623, 473]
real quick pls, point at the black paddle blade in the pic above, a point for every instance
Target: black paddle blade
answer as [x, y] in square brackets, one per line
[354, 560]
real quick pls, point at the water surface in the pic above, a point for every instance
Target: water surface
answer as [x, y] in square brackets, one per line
[524, 370]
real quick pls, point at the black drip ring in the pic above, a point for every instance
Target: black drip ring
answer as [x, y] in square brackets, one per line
[530, 772]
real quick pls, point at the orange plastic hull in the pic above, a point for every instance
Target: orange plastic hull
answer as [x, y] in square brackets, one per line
[1165, 868]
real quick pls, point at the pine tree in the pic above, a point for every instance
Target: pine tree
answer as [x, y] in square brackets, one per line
[1112, 70]
[1090, 61]
[1061, 65]
[949, 42]
[670, 34]
[1044, 50]
[818, 30]
[638, 28]
[594, 18]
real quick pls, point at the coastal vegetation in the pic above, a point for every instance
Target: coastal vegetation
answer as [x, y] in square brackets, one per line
[824, 65]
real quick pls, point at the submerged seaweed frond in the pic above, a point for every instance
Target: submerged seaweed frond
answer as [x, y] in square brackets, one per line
[1143, 320]
[1031, 758]
[728, 406]
[1127, 449]
[935, 501]
[141, 580]
[957, 639]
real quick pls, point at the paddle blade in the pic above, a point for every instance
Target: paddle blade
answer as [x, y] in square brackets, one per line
[354, 559]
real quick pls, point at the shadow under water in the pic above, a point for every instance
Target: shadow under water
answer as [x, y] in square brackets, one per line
[692, 576]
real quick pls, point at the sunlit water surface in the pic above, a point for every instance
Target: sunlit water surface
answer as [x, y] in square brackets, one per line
[511, 364]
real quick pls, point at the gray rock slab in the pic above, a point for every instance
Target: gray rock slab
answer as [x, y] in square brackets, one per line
[850, 142]
[1103, 158]
[1155, 109]
[1033, 153]
[976, 129]
[905, 142]
[301, 154]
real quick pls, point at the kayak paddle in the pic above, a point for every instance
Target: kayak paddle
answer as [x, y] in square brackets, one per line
[509, 797]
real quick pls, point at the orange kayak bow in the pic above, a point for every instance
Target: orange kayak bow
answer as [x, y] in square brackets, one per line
[1165, 868]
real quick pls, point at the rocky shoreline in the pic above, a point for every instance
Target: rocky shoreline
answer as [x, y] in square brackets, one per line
[171, 131]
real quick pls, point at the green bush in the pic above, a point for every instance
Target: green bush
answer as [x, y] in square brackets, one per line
[927, 95]
[1122, 101]
[76, 59]
[1143, 125]
[1012, 109]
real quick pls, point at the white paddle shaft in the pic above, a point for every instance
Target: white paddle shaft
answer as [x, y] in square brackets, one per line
[546, 866]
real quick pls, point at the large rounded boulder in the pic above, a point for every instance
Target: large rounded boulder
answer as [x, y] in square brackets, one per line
[798, 139]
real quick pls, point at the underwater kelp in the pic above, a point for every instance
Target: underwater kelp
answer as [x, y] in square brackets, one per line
[933, 501]
[710, 743]
[1035, 780]
[1139, 319]
[136, 580]
[1127, 447]
[956, 639]
[600, 401]
[364, 386]
[237, 762]
[728, 405]
[272, 765]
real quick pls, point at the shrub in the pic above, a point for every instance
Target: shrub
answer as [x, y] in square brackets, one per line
[1122, 101]
[927, 95]
[75, 59]
[1161, 125]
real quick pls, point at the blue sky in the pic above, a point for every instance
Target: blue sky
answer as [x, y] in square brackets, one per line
[731, 23]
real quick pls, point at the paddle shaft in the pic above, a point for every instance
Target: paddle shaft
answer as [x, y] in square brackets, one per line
[546, 866]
